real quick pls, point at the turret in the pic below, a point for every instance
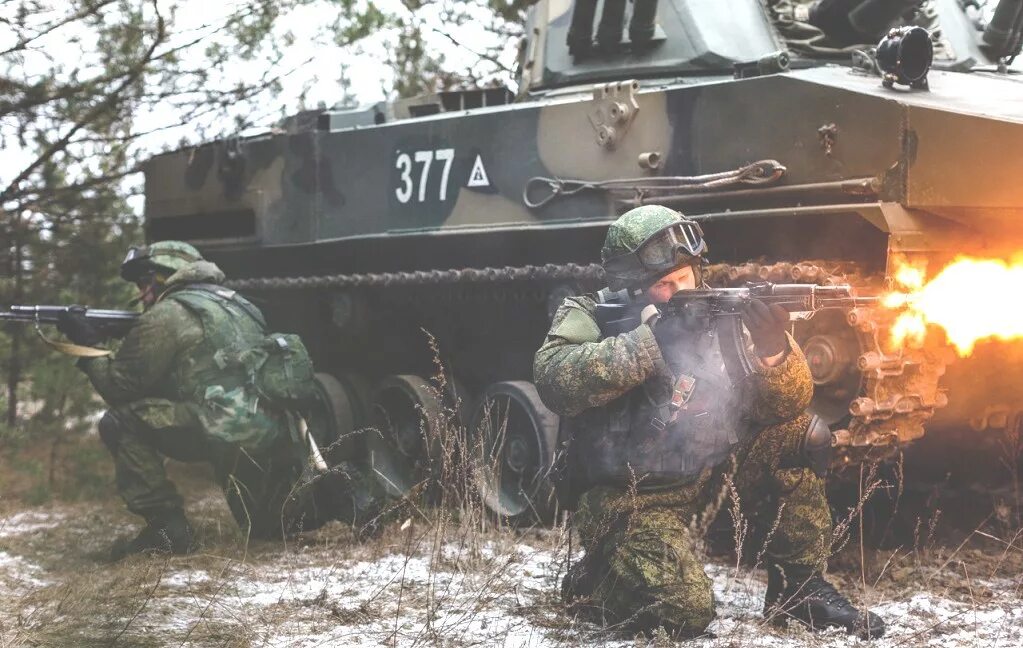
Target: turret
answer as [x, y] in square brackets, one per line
[599, 41]
[606, 40]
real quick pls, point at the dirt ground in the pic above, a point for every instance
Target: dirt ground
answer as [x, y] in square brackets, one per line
[431, 583]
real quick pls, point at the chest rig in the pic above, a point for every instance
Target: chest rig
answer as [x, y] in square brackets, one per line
[669, 429]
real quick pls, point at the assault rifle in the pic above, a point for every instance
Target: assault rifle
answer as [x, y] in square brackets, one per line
[112, 323]
[720, 308]
[701, 307]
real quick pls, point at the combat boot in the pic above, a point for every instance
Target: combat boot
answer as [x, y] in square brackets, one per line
[801, 593]
[347, 492]
[578, 583]
[167, 531]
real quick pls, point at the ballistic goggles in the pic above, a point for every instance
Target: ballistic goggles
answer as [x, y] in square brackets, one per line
[673, 246]
[134, 264]
[138, 264]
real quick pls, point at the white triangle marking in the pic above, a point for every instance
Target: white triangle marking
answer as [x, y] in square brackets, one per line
[478, 177]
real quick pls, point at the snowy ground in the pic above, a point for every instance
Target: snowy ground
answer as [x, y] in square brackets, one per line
[414, 587]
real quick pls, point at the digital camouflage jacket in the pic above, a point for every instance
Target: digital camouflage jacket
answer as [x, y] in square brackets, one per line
[174, 354]
[589, 378]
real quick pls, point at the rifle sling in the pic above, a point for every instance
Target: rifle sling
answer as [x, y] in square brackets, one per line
[75, 350]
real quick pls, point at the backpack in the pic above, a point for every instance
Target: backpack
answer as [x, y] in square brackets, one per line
[280, 369]
[276, 366]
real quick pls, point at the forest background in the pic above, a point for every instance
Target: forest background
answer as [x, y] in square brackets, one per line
[89, 89]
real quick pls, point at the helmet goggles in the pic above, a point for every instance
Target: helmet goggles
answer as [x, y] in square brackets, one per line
[672, 246]
[139, 266]
[134, 264]
[135, 254]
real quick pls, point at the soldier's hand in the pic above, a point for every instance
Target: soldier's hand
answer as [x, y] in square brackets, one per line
[767, 325]
[649, 315]
[74, 325]
[669, 332]
[665, 330]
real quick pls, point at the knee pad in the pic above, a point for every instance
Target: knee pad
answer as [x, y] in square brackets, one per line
[817, 446]
[111, 428]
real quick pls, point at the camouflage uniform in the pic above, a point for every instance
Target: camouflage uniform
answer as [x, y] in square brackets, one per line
[168, 397]
[640, 568]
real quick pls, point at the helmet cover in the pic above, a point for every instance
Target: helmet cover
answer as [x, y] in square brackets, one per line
[166, 256]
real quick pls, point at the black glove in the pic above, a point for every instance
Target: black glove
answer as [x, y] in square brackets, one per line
[766, 325]
[74, 325]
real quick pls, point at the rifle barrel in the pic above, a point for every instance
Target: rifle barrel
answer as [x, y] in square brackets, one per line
[50, 314]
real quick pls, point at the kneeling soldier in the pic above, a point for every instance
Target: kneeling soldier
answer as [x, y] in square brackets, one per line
[660, 430]
[177, 387]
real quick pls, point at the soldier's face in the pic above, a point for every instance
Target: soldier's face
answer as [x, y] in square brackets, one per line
[148, 290]
[669, 284]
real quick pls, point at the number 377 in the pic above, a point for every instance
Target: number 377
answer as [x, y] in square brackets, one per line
[409, 184]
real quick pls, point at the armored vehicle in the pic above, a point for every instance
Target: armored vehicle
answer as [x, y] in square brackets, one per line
[435, 236]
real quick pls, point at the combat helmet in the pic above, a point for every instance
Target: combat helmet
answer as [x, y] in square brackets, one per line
[165, 256]
[648, 242]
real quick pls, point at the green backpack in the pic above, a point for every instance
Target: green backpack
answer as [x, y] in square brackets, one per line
[277, 365]
[280, 369]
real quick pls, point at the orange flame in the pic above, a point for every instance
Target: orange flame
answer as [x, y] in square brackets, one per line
[970, 300]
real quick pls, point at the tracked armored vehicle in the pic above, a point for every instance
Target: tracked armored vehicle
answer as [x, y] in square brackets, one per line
[470, 215]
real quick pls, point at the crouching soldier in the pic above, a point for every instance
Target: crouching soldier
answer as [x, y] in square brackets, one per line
[183, 385]
[661, 431]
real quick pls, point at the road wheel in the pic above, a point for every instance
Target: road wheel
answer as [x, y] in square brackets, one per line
[515, 439]
[337, 415]
[406, 441]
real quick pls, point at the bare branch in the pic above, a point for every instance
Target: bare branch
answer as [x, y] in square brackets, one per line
[480, 55]
[111, 98]
[86, 10]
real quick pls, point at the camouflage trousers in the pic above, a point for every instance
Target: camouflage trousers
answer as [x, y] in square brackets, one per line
[265, 490]
[642, 569]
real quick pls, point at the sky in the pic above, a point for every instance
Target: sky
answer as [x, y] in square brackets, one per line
[371, 79]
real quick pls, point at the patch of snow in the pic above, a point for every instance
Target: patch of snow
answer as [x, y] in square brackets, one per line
[184, 579]
[28, 522]
[408, 600]
[18, 575]
[405, 598]
[933, 620]
[497, 593]
[925, 619]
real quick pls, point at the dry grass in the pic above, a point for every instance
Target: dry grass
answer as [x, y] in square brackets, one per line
[418, 585]
[444, 572]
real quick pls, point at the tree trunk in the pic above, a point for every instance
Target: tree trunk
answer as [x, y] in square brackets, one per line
[13, 377]
[14, 356]
[58, 438]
